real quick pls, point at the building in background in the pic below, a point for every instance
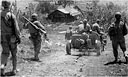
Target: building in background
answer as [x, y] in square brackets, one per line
[67, 14]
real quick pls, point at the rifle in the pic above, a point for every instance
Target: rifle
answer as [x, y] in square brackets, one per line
[41, 30]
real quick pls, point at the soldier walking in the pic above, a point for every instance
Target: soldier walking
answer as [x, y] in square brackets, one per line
[117, 31]
[35, 35]
[10, 37]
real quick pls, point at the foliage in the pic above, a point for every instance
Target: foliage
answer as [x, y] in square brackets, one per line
[92, 11]
[65, 2]
[104, 12]
[45, 7]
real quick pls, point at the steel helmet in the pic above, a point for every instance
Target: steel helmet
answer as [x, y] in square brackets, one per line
[85, 20]
[98, 20]
[34, 16]
[81, 21]
[6, 3]
[117, 15]
[70, 27]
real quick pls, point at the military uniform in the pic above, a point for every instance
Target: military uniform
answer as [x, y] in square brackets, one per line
[36, 36]
[9, 37]
[86, 27]
[68, 34]
[117, 37]
[96, 28]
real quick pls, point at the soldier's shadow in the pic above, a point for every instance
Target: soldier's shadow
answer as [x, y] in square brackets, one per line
[113, 62]
[31, 59]
[9, 74]
[79, 55]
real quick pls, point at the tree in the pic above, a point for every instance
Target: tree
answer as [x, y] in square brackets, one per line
[65, 2]
[45, 7]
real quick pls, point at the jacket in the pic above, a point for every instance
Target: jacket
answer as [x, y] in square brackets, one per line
[116, 31]
[95, 27]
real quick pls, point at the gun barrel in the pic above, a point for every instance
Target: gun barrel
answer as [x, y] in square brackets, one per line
[34, 25]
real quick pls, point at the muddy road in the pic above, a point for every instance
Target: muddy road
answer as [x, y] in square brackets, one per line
[54, 63]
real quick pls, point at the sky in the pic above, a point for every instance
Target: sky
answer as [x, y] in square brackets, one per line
[20, 3]
[24, 3]
[116, 1]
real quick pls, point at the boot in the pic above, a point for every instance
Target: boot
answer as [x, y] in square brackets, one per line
[126, 58]
[2, 70]
[36, 58]
[116, 60]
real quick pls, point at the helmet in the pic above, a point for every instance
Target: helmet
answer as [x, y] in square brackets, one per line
[85, 20]
[117, 15]
[6, 3]
[70, 27]
[98, 20]
[34, 16]
[81, 21]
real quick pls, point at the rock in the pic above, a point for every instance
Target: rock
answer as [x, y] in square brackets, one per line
[126, 53]
[76, 60]
[81, 70]
[18, 70]
[60, 44]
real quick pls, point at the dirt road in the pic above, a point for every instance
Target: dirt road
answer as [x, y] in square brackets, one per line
[54, 62]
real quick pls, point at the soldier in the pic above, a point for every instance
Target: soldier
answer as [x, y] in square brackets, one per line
[10, 37]
[35, 35]
[96, 27]
[86, 27]
[68, 34]
[117, 31]
[81, 26]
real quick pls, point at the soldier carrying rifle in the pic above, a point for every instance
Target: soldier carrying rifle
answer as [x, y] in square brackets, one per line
[35, 30]
[117, 31]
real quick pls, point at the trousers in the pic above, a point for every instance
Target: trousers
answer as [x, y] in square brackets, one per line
[7, 48]
[115, 44]
[36, 40]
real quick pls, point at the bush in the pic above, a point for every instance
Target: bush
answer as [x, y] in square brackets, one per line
[45, 7]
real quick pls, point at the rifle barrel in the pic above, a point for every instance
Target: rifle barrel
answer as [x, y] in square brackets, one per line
[34, 25]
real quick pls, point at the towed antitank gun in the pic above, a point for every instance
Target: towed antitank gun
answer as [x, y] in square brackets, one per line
[85, 43]
[88, 41]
